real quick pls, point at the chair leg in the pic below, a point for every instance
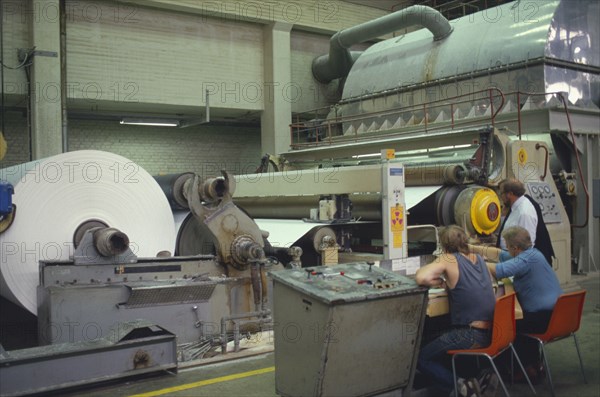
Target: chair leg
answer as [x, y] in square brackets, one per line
[515, 355]
[580, 361]
[512, 370]
[454, 376]
[548, 374]
[499, 377]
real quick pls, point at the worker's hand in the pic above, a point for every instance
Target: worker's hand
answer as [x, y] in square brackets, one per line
[442, 283]
[474, 240]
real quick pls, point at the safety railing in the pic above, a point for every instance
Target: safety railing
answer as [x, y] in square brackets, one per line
[325, 126]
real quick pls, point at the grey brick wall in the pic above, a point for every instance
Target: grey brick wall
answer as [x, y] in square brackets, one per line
[165, 150]
[159, 150]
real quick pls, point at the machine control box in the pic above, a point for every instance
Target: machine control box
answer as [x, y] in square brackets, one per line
[334, 325]
[548, 200]
[346, 283]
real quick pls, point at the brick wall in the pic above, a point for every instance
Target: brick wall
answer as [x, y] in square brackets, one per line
[159, 150]
[165, 150]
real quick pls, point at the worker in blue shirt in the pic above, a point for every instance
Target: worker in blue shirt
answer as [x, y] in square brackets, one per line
[536, 285]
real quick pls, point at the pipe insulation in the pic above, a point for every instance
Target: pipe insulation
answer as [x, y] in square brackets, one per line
[58, 195]
[339, 61]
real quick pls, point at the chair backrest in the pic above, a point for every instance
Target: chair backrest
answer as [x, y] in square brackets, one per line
[566, 316]
[504, 330]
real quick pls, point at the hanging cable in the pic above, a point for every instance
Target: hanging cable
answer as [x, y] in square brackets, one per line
[587, 194]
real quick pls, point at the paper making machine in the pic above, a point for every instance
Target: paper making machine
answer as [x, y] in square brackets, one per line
[455, 185]
[202, 299]
[532, 75]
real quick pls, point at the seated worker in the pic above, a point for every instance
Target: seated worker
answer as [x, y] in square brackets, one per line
[472, 301]
[536, 285]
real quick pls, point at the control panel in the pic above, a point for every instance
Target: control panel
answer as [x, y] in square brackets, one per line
[545, 196]
[346, 330]
[347, 282]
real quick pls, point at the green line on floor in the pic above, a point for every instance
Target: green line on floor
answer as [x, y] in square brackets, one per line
[206, 382]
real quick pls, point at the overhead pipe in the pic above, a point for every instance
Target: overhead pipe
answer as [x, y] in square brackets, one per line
[339, 61]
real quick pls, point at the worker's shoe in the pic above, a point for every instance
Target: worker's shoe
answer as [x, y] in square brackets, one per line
[535, 372]
[488, 383]
[467, 388]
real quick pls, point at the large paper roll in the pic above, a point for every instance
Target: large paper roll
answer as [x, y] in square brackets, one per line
[56, 195]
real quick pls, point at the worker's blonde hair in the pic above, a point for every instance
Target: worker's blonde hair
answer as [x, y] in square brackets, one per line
[454, 239]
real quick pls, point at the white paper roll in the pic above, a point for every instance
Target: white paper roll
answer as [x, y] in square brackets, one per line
[283, 233]
[57, 194]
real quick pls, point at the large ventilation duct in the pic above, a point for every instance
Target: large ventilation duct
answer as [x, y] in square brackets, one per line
[339, 61]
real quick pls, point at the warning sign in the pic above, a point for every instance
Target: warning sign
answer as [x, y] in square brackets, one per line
[397, 218]
[397, 243]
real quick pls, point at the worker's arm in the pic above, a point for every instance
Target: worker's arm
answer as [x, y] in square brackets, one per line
[492, 268]
[488, 252]
[432, 274]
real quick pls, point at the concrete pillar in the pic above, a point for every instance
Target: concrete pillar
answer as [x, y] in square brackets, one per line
[279, 89]
[46, 82]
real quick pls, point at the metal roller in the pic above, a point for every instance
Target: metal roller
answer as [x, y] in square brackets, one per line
[323, 237]
[434, 174]
[194, 238]
[478, 209]
[173, 187]
[364, 206]
[445, 201]
[110, 241]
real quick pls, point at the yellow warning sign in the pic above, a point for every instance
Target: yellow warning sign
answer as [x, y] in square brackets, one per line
[522, 155]
[389, 154]
[397, 243]
[397, 218]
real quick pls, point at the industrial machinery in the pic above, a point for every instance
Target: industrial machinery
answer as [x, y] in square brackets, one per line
[209, 302]
[206, 294]
[428, 124]
[520, 101]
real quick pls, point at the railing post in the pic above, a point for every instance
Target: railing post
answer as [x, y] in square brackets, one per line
[492, 115]
[519, 113]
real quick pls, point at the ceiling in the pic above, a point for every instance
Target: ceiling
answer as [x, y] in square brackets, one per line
[387, 5]
[450, 8]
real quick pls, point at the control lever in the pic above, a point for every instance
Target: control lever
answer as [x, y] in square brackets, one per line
[308, 273]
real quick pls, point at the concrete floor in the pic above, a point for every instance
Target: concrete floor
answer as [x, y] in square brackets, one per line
[255, 376]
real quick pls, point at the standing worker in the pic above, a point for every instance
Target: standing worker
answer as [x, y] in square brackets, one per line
[525, 212]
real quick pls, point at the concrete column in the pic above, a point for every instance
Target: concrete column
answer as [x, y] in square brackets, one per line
[279, 89]
[46, 117]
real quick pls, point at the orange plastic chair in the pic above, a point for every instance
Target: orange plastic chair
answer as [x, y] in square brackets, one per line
[503, 336]
[564, 322]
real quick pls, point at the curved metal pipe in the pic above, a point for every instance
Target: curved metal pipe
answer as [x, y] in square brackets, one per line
[339, 61]
[538, 147]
